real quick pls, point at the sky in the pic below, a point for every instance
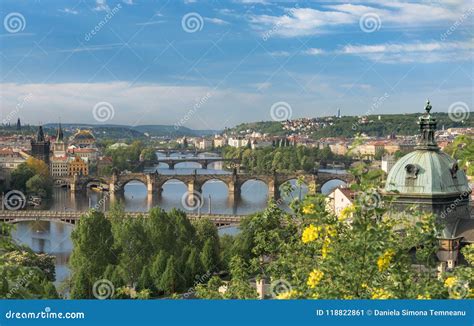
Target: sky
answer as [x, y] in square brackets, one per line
[214, 64]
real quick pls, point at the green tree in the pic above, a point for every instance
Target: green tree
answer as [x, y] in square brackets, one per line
[210, 256]
[170, 280]
[93, 252]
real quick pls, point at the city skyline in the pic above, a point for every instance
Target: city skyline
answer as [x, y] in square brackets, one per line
[211, 65]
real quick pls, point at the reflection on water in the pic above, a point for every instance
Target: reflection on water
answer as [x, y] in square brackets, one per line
[54, 238]
[47, 237]
[215, 199]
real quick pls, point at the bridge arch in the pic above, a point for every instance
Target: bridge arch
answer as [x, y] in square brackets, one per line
[256, 183]
[217, 180]
[173, 181]
[329, 184]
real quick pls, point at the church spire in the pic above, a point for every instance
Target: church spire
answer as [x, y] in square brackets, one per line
[40, 134]
[59, 134]
[427, 129]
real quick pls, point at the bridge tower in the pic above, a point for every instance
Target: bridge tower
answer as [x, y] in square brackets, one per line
[74, 183]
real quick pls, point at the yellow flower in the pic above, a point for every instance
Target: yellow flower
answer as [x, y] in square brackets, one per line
[384, 261]
[346, 213]
[450, 281]
[287, 295]
[381, 294]
[324, 251]
[314, 278]
[309, 209]
[364, 285]
[425, 296]
[347, 297]
[311, 233]
[331, 231]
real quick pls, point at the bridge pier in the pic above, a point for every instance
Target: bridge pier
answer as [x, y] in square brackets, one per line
[151, 185]
[193, 186]
[273, 190]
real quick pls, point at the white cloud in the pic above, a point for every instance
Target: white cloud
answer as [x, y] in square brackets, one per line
[216, 21]
[69, 11]
[136, 104]
[314, 51]
[101, 5]
[309, 21]
[128, 2]
[427, 52]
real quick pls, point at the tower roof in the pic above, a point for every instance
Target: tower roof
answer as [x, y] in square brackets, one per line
[427, 171]
[40, 134]
[60, 134]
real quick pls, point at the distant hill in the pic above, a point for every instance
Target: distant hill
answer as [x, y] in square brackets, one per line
[349, 126]
[122, 131]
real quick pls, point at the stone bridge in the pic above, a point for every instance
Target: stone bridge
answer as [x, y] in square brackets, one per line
[194, 182]
[204, 162]
[72, 217]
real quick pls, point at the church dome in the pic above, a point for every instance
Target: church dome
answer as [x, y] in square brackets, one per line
[427, 171]
[83, 135]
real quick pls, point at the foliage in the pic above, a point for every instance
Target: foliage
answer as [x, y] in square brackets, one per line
[126, 158]
[366, 252]
[23, 273]
[93, 252]
[32, 177]
[280, 159]
[347, 126]
[462, 149]
[160, 255]
[148, 154]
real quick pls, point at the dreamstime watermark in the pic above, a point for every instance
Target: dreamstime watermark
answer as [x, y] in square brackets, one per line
[199, 279]
[377, 103]
[46, 314]
[370, 22]
[279, 287]
[369, 199]
[281, 111]
[103, 111]
[192, 22]
[14, 22]
[17, 109]
[98, 27]
[192, 200]
[268, 34]
[188, 115]
[460, 290]
[466, 14]
[14, 200]
[458, 111]
[462, 198]
[103, 289]
[101, 203]
[21, 283]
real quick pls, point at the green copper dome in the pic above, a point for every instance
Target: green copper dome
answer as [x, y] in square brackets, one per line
[427, 171]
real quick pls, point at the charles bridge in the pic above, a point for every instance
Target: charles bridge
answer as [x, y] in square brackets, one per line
[234, 181]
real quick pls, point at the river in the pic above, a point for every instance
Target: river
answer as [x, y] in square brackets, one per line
[54, 238]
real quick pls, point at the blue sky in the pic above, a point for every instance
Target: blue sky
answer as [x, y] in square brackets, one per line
[210, 64]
